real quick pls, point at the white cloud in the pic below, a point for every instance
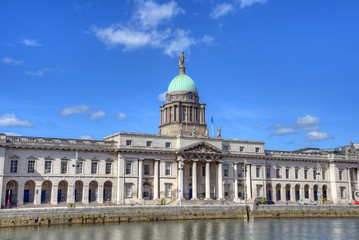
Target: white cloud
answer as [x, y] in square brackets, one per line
[83, 109]
[307, 123]
[220, 10]
[97, 115]
[121, 116]
[283, 131]
[162, 96]
[247, 3]
[150, 14]
[141, 30]
[12, 134]
[9, 60]
[75, 110]
[10, 120]
[31, 42]
[38, 73]
[85, 137]
[317, 136]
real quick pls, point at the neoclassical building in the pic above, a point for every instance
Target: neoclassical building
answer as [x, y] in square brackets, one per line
[181, 163]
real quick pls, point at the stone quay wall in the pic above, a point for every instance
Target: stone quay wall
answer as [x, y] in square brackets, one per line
[92, 215]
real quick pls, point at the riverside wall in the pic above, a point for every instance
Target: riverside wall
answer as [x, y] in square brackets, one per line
[115, 214]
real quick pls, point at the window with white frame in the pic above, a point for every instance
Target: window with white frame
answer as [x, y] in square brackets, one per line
[168, 190]
[323, 174]
[146, 169]
[305, 173]
[93, 167]
[342, 192]
[13, 166]
[203, 171]
[168, 145]
[226, 190]
[277, 172]
[287, 173]
[190, 171]
[225, 170]
[63, 167]
[314, 174]
[48, 166]
[296, 173]
[31, 166]
[79, 167]
[168, 169]
[268, 172]
[239, 172]
[225, 147]
[148, 144]
[128, 167]
[108, 168]
[128, 190]
[257, 149]
[340, 174]
[258, 172]
[128, 142]
[241, 148]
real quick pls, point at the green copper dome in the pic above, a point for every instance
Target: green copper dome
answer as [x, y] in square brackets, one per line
[182, 82]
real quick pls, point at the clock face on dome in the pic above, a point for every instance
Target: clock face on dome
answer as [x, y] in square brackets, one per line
[190, 95]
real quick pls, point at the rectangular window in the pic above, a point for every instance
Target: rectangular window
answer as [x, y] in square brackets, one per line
[257, 150]
[168, 190]
[225, 147]
[203, 171]
[268, 172]
[277, 172]
[258, 172]
[148, 143]
[259, 190]
[323, 174]
[168, 169]
[48, 166]
[146, 169]
[226, 190]
[225, 170]
[128, 142]
[340, 174]
[296, 173]
[31, 166]
[239, 172]
[128, 168]
[305, 173]
[190, 171]
[128, 191]
[287, 173]
[342, 192]
[63, 167]
[314, 174]
[79, 167]
[241, 148]
[93, 167]
[168, 144]
[13, 166]
[108, 168]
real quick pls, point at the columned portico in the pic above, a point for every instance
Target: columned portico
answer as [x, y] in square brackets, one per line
[208, 181]
[140, 179]
[194, 180]
[350, 186]
[220, 180]
[156, 180]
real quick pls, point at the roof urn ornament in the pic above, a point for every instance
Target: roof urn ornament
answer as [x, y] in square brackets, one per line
[351, 150]
[206, 132]
[219, 133]
[194, 131]
[181, 64]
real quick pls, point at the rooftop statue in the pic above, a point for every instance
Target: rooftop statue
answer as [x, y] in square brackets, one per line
[181, 63]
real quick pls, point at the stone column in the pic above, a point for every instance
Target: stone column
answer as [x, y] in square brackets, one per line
[311, 193]
[284, 194]
[194, 180]
[54, 193]
[178, 113]
[156, 180]
[235, 167]
[350, 186]
[70, 194]
[208, 181]
[274, 193]
[2, 164]
[140, 179]
[85, 194]
[248, 173]
[100, 193]
[292, 194]
[37, 197]
[301, 193]
[220, 180]
[20, 194]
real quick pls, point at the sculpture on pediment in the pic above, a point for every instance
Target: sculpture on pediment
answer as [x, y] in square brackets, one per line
[219, 133]
[351, 150]
[202, 148]
[206, 132]
[194, 131]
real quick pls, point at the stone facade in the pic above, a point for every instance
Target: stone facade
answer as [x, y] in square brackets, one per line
[180, 163]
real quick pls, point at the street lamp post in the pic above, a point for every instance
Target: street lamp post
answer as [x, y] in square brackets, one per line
[75, 166]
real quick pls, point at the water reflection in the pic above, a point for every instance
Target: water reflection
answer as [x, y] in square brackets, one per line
[213, 229]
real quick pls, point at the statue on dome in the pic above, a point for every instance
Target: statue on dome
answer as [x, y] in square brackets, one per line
[181, 60]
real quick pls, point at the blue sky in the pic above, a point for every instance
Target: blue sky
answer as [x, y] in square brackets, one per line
[284, 72]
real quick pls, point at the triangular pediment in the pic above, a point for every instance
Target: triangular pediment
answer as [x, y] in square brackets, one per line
[202, 147]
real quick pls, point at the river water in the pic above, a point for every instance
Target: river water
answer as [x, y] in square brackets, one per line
[259, 229]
